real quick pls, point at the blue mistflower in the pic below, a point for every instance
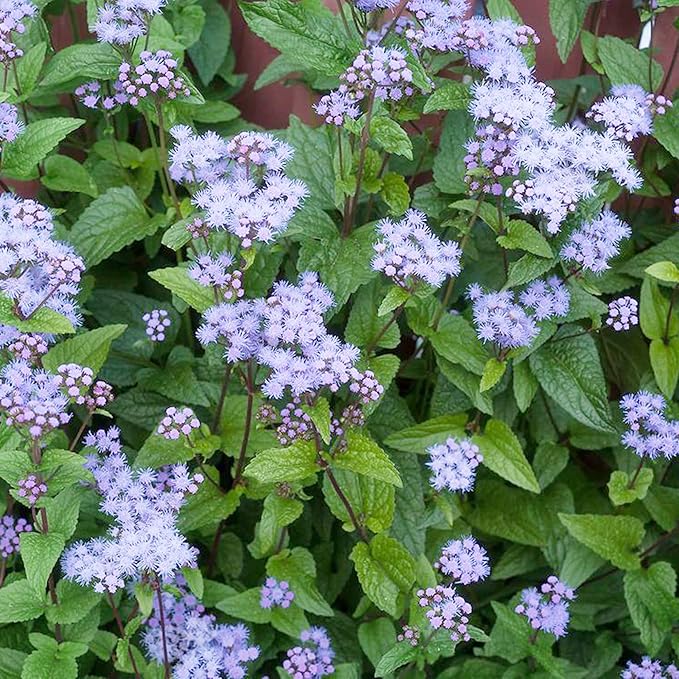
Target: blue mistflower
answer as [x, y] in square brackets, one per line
[453, 465]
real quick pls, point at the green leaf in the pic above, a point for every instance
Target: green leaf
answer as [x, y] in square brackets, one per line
[214, 112]
[625, 64]
[109, 223]
[612, 537]
[376, 638]
[664, 271]
[208, 54]
[43, 320]
[40, 553]
[53, 662]
[20, 158]
[503, 9]
[189, 23]
[177, 280]
[525, 385]
[654, 310]
[20, 602]
[395, 193]
[93, 61]
[650, 597]
[307, 33]
[492, 373]
[527, 268]
[449, 166]
[665, 364]
[320, 416]
[390, 136]
[549, 461]
[14, 465]
[65, 174]
[419, 437]
[11, 662]
[448, 97]
[456, 341]
[666, 129]
[524, 236]
[73, 603]
[484, 211]
[298, 567]
[398, 656]
[88, 349]
[245, 606]
[29, 67]
[385, 569]
[566, 18]
[276, 465]
[570, 373]
[619, 490]
[395, 297]
[363, 456]
[177, 236]
[63, 511]
[502, 453]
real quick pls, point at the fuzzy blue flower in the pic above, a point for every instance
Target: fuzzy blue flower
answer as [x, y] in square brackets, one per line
[453, 465]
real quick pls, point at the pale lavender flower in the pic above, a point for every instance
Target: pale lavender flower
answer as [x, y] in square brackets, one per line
[446, 609]
[410, 635]
[31, 489]
[408, 252]
[197, 158]
[375, 5]
[105, 96]
[10, 125]
[649, 433]
[676, 207]
[12, 15]
[437, 22]
[28, 347]
[198, 228]
[464, 560]
[365, 386]
[547, 299]
[623, 313]
[213, 271]
[156, 75]
[178, 422]
[499, 319]
[629, 112]
[276, 593]
[75, 380]
[157, 322]
[144, 539]
[403, 23]
[10, 532]
[123, 21]
[335, 105]
[382, 70]
[259, 150]
[31, 399]
[453, 465]
[649, 669]
[104, 440]
[547, 609]
[313, 659]
[594, 243]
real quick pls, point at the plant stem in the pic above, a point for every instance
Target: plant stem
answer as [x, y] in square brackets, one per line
[161, 613]
[673, 299]
[163, 151]
[394, 317]
[343, 499]
[634, 478]
[81, 431]
[44, 527]
[222, 397]
[250, 384]
[121, 629]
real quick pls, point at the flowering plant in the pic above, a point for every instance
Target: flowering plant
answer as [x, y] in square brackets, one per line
[391, 394]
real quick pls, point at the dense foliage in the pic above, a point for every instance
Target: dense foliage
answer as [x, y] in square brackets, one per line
[392, 395]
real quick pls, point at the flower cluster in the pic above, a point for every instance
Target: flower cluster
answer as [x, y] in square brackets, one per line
[380, 72]
[12, 15]
[28, 346]
[446, 609]
[649, 433]
[408, 252]
[122, 21]
[594, 243]
[178, 422]
[499, 319]
[144, 539]
[10, 125]
[32, 399]
[97, 95]
[197, 646]
[409, 634]
[10, 532]
[453, 465]
[197, 158]
[35, 270]
[157, 322]
[31, 489]
[547, 609]
[628, 113]
[649, 669]
[375, 5]
[464, 560]
[104, 441]
[275, 593]
[623, 313]
[313, 659]
[213, 271]
[155, 75]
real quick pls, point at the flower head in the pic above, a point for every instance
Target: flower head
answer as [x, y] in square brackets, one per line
[623, 313]
[649, 669]
[122, 21]
[649, 433]
[464, 560]
[156, 75]
[31, 489]
[446, 609]
[453, 465]
[547, 609]
[10, 125]
[276, 593]
[313, 659]
[178, 422]
[10, 532]
[157, 322]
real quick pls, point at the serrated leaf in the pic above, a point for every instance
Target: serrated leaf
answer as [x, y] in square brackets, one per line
[665, 363]
[20, 602]
[398, 656]
[109, 223]
[619, 486]
[457, 342]
[65, 174]
[93, 61]
[524, 384]
[625, 64]
[570, 373]
[390, 136]
[666, 129]
[87, 349]
[29, 67]
[447, 97]
[524, 236]
[40, 553]
[43, 320]
[73, 603]
[209, 505]
[449, 166]
[209, 52]
[664, 271]
[395, 193]
[20, 158]
[385, 569]
[492, 373]
[566, 18]
[396, 296]
[178, 281]
[419, 437]
[612, 537]
[276, 465]
[319, 413]
[654, 312]
[502, 453]
[363, 456]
